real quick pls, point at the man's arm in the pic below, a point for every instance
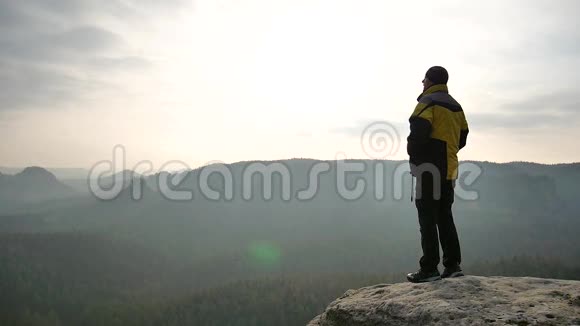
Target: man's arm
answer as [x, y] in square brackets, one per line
[464, 132]
[420, 123]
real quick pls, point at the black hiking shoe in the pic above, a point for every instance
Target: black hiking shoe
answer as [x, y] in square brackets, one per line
[454, 271]
[421, 276]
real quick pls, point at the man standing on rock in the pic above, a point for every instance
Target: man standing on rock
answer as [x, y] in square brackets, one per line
[438, 131]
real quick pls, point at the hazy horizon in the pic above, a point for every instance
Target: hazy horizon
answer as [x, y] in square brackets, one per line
[16, 169]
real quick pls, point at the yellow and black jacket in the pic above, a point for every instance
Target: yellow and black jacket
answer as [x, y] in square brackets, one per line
[438, 131]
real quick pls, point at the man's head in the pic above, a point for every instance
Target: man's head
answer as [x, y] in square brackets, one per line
[435, 75]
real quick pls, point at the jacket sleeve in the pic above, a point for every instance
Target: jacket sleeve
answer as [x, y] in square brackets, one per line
[420, 123]
[464, 132]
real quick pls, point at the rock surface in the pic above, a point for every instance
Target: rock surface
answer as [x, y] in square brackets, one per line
[470, 300]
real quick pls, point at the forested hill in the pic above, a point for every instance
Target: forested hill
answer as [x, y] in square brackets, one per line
[79, 260]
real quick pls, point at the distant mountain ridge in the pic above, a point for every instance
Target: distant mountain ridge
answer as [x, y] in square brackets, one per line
[33, 184]
[299, 169]
[526, 187]
[36, 173]
[59, 173]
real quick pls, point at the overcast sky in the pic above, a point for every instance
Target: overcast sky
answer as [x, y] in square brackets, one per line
[234, 80]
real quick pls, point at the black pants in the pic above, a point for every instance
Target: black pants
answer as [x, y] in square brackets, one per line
[434, 208]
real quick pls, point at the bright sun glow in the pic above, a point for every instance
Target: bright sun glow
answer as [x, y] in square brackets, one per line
[238, 80]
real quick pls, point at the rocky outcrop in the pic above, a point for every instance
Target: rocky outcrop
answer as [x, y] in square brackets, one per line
[470, 300]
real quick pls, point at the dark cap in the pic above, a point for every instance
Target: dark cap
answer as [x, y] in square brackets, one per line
[437, 75]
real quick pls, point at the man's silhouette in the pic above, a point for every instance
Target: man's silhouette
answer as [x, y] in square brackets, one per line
[438, 131]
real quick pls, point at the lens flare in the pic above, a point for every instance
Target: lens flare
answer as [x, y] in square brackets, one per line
[264, 253]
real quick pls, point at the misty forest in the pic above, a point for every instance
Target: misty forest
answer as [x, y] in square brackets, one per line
[68, 258]
[261, 163]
